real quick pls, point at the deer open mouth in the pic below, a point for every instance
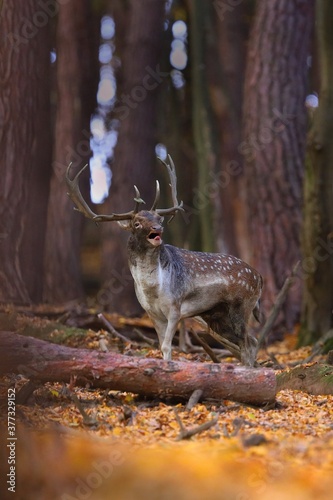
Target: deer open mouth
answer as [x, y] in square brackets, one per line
[154, 238]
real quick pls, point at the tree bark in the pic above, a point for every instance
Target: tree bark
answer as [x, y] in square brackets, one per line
[134, 158]
[24, 148]
[228, 37]
[274, 143]
[45, 362]
[202, 119]
[317, 237]
[76, 81]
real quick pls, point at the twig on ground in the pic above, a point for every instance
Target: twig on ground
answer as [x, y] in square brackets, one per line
[233, 348]
[188, 433]
[111, 329]
[319, 346]
[317, 349]
[273, 358]
[194, 398]
[277, 306]
[63, 317]
[25, 392]
[144, 337]
[87, 419]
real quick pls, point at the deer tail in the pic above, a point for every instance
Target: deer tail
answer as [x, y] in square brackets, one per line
[256, 311]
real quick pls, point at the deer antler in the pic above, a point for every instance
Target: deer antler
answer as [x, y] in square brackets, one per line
[173, 184]
[81, 205]
[157, 195]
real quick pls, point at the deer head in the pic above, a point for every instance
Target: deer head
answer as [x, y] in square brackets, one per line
[147, 228]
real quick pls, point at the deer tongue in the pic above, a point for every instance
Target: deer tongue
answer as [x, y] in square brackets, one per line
[155, 237]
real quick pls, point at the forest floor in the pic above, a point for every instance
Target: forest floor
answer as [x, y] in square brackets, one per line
[103, 444]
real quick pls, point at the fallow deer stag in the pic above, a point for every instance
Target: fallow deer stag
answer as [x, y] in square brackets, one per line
[172, 283]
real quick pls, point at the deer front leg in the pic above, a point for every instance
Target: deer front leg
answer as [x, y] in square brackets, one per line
[160, 327]
[166, 346]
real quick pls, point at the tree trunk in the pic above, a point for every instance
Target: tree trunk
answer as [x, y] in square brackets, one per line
[230, 27]
[134, 157]
[75, 74]
[24, 148]
[175, 131]
[317, 241]
[204, 138]
[45, 362]
[274, 143]
[317, 236]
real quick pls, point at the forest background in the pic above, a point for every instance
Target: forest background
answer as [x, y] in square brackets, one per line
[239, 92]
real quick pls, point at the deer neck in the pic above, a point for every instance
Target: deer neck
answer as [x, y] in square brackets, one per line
[148, 273]
[141, 254]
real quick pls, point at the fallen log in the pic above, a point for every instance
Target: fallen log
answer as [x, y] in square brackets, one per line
[42, 361]
[316, 378]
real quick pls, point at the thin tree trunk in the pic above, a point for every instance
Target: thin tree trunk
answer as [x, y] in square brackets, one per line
[204, 139]
[274, 143]
[317, 241]
[24, 148]
[75, 75]
[134, 158]
[175, 131]
[45, 362]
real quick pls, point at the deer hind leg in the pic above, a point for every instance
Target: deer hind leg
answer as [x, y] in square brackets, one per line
[246, 342]
[218, 325]
[228, 321]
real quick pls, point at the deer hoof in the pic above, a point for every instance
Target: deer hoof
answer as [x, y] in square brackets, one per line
[166, 351]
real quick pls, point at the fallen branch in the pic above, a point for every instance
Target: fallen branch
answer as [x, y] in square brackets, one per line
[146, 339]
[185, 433]
[320, 346]
[330, 358]
[87, 419]
[206, 347]
[42, 361]
[25, 392]
[314, 379]
[233, 348]
[194, 399]
[111, 329]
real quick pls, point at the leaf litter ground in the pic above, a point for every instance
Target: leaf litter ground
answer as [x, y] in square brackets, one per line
[64, 449]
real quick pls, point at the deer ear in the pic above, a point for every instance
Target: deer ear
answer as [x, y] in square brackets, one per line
[124, 225]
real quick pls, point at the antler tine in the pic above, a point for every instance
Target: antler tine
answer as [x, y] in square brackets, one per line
[157, 196]
[173, 184]
[138, 200]
[81, 205]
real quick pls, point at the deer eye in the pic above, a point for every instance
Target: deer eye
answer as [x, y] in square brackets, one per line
[137, 225]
